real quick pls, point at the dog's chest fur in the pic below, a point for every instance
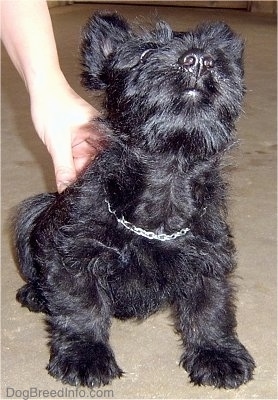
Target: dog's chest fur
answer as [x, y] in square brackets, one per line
[157, 196]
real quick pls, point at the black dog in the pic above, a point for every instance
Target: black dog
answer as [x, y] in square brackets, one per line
[145, 226]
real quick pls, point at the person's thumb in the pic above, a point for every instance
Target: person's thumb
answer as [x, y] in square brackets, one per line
[65, 172]
[64, 177]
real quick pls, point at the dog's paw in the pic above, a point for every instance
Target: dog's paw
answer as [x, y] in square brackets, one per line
[30, 297]
[227, 367]
[87, 364]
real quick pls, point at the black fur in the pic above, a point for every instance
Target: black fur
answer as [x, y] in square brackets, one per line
[169, 119]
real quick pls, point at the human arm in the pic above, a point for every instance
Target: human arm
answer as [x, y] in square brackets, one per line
[60, 116]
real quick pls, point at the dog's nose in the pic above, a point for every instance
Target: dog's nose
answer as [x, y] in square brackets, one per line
[196, 62]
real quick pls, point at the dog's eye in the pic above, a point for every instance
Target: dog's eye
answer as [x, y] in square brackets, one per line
[146, 54]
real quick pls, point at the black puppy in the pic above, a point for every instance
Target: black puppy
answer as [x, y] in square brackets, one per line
[145, 226]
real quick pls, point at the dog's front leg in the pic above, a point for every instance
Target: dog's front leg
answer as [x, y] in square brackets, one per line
[79, 350]
[206, 320]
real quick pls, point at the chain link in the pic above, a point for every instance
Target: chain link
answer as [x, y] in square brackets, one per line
[147, 234]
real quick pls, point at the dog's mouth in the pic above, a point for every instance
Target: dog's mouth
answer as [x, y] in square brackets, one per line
[198, 86]
[194, 91]
[193, 86]
[199, 89]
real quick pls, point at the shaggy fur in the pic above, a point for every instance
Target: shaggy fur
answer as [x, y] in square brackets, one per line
[171, 101]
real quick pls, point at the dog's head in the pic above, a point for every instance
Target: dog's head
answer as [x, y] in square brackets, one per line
[164, 89]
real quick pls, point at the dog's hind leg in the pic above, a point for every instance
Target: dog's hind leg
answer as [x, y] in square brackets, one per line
[206, 321]
[80, 353]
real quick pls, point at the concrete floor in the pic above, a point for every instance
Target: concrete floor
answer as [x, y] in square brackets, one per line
[149, 352]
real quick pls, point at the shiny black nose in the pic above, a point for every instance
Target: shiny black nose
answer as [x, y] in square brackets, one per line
[196, 62]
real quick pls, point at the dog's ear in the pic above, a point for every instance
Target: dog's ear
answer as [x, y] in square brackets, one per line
[163, 31]
[102, 34]
[223, 37]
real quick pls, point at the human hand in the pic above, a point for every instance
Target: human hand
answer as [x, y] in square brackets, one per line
[62, 119]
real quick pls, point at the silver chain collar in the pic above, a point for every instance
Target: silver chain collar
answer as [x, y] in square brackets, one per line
[147, 234]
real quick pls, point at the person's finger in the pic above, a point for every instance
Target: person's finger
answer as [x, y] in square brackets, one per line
[81, 163]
